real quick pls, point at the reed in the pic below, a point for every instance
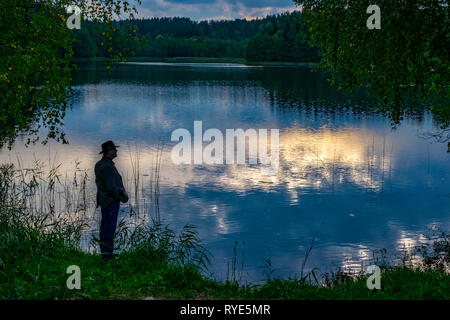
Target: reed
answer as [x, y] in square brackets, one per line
[235, 275]
[41, 196]
[44, 216]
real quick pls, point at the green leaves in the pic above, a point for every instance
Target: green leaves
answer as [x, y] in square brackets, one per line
[35, 53]
[282, 39]
[408, 55]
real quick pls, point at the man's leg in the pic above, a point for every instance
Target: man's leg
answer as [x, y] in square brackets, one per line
[108, 228]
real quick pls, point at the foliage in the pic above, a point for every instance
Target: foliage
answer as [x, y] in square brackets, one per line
[164, 46]
[273, 38]
[282, 39]
[175, 37]
[176, 27]
[35, 53]
[408, 56]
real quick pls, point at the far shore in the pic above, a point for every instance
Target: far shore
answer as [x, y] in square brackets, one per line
[204, 60]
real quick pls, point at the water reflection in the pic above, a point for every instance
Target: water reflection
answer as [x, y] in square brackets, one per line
[344, 174]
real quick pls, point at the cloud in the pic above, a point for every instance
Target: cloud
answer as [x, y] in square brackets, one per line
[214, 10]
[248, 3]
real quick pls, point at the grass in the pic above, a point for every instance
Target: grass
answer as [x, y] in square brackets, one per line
[37, 244]
[39, 272]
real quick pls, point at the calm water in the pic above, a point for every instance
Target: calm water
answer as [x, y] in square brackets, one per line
[346, 178]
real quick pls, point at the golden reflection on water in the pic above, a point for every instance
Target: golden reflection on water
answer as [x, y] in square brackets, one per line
[315, 160]
[308, 159]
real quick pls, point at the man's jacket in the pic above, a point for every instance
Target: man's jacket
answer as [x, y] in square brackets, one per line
[110, 187]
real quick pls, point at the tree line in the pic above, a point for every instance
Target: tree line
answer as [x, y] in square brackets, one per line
[281, 37]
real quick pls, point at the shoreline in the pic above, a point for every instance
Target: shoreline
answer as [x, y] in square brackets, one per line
[144, 273]
[203, 60]
[154, 261]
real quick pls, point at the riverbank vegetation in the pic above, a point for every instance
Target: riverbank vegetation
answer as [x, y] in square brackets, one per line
[38, 243]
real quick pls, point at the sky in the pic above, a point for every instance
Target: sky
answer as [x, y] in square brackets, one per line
[214, 9]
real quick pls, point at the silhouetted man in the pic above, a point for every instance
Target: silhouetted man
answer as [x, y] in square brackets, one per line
[110, 192]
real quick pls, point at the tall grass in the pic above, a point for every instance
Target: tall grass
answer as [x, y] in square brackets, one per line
[235, 270]
[44, 216]
[146, 201]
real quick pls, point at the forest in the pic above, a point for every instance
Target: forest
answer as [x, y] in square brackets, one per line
[281, 37]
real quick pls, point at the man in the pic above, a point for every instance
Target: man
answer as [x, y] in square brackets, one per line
[110, 192]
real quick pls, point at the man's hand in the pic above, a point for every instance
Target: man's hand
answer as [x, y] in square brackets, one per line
[123, 196]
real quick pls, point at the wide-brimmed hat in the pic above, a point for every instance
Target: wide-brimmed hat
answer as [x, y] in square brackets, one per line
[108, 146]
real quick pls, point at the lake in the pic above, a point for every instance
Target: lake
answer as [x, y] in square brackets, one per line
[347, 178]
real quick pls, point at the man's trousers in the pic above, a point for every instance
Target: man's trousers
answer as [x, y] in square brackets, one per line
[108, 228]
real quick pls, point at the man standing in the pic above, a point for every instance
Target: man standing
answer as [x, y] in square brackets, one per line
[110, 192]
